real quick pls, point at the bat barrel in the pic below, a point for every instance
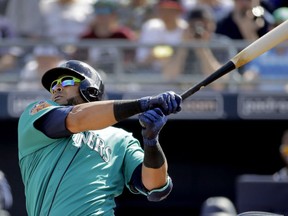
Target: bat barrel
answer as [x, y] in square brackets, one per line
[258, 47]
[269, 40]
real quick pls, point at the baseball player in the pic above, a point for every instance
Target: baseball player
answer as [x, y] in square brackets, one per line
[73, 160]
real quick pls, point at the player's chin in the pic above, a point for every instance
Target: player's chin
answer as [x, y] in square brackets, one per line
[60, 101]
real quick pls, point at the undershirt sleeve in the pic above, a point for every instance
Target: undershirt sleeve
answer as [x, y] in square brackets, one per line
[53, 124]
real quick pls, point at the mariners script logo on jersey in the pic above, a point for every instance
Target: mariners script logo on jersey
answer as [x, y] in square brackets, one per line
[39, 106]
[94, 142]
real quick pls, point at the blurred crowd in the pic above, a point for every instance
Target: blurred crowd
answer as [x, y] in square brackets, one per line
[172, 39]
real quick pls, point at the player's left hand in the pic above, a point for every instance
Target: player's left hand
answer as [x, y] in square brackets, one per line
[152, 121]
[168, 101]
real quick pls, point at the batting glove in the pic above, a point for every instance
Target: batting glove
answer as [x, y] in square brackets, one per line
[169, 102]
[152, 121]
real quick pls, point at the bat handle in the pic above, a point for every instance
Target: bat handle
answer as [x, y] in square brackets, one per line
[229, 66]
[191, 90]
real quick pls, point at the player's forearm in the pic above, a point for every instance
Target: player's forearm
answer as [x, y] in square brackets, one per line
[101, 114]
[91, 116]
[154, 170]
[154, 178]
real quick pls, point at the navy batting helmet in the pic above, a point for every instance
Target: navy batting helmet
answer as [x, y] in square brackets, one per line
[91, 86]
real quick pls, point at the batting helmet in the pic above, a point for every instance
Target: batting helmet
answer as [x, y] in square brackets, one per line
[91, 85]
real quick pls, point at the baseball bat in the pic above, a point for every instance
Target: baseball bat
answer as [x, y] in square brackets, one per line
[269, 40]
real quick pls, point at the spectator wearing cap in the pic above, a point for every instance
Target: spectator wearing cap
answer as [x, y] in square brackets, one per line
[162, 33]
[269, 72]
[106, 25]
[133, 13]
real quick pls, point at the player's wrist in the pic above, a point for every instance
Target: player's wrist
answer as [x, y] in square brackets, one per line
[153, 156]
[150, 141]
[124, 109]
[144, 103]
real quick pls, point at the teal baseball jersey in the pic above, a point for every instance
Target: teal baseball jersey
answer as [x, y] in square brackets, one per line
[76, 175]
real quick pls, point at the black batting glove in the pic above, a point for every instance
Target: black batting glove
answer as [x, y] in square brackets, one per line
[169, 102]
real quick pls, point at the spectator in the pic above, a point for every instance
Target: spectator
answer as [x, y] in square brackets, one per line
[220, 8]
[7, 30]
[166, 29]
[3, 6]
[42, 58]
[248, 20]
[26, 18]
[200, 61]
[269, 71]
[6, 198]
[9, 55]
[282, 174]
[7, 59]
[65, 20]
[106, 25]
[135, 12]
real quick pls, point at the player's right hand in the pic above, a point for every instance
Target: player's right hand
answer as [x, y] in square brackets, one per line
[169, 102]
[152, 121]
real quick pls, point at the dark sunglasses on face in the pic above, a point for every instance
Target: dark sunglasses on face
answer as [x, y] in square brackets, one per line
[64, 81]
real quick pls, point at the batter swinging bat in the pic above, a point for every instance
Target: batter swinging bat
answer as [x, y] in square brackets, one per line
[271, 39]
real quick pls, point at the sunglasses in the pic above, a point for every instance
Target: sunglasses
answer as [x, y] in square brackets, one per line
[64, 81]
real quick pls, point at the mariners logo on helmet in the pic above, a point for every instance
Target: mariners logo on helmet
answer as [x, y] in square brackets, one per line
[91, 86]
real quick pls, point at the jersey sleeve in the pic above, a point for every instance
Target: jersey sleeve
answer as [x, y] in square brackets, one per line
[31, 139]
